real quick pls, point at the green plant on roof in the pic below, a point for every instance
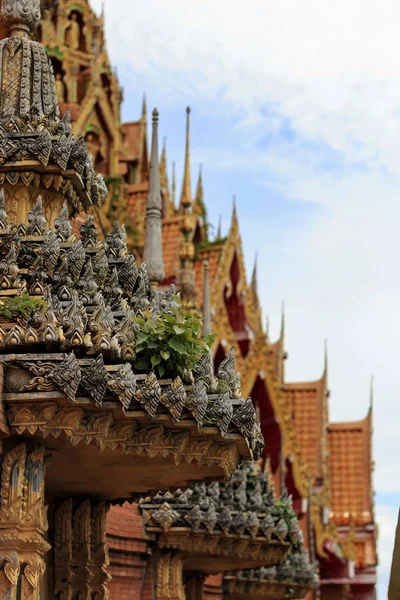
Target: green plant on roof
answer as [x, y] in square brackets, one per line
[283, 510]
[170, 343]
[19, 305]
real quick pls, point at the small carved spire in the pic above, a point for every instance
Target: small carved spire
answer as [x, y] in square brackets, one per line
[206, 302]
[325, 372]
[62, 224]
[153, 256]
[186, 196]
[36, 219]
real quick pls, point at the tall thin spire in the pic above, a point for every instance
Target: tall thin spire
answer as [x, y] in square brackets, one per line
[199, 188]
[173, 184]
[282, 335]
[207, 327]
[254, 277]
[186, 196]
[234, 221]
[219, 231]
[144, 108]
[153, 255]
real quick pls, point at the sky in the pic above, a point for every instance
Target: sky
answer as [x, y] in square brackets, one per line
[296, 112]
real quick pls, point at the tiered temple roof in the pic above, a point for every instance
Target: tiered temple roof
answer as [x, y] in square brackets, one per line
[304, 452]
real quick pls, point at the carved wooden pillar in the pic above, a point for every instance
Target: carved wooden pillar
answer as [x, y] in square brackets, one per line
[170, 577]
[23, 522]
[80, 551]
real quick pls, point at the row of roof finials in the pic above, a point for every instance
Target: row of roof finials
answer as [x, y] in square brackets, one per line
[90, 291]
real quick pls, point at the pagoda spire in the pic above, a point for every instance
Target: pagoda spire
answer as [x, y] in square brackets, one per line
[219, 230]
[144, 109]
[234, 220]
[199, 188]
[282, 334]
[186, 196]
[153, 255]
[173, 185]
[207, 327]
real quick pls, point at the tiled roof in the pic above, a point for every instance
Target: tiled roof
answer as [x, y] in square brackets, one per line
[131, 136]
[136, 203]
[350, 467]
[171, 241]
[213, 255]
[305, 403]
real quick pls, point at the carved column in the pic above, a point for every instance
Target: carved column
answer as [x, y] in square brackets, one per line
[170, 577]
[80, 551]
[23, 522]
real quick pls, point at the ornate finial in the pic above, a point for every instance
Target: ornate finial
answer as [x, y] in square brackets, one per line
[199, 189]
[282, 336]
[207, 330]
[144, 108]
[219, 230]
[153, 256]
[186, 196]
[234, 222]
[267, 328]
[62, 223]
[21, 16]
[254, 280]
[173, 184]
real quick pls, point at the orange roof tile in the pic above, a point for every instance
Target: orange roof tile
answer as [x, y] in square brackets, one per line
[350, 470]
[305, 402]
[136, 204]
[213, 255]
[131, 136]
[172, 236]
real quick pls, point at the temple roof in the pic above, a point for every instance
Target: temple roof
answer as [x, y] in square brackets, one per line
[350, 470]
[212, 253]
[132, 133]
[239, 519]
[305, 402]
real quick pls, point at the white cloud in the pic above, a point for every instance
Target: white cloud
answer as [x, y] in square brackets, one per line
[329, 70]
[387, 520]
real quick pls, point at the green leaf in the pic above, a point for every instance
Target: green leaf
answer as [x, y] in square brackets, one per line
[176, 344]
[161, 370]
[165, 354]
[155, 360]
[178, 330]
[142, 364]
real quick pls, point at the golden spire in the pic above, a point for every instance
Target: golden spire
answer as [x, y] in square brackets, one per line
[371, 396]
[199, 188]
[173, 185]
[234, 221]
[254, 277]
[186, 196]
[144, 109]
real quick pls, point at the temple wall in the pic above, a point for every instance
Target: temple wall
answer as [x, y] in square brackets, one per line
[213, 588]
[129, 559]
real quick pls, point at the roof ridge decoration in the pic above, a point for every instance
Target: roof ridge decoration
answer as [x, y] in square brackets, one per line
[30, 125]
[242, 508]
[186, 194]
[84, 296]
